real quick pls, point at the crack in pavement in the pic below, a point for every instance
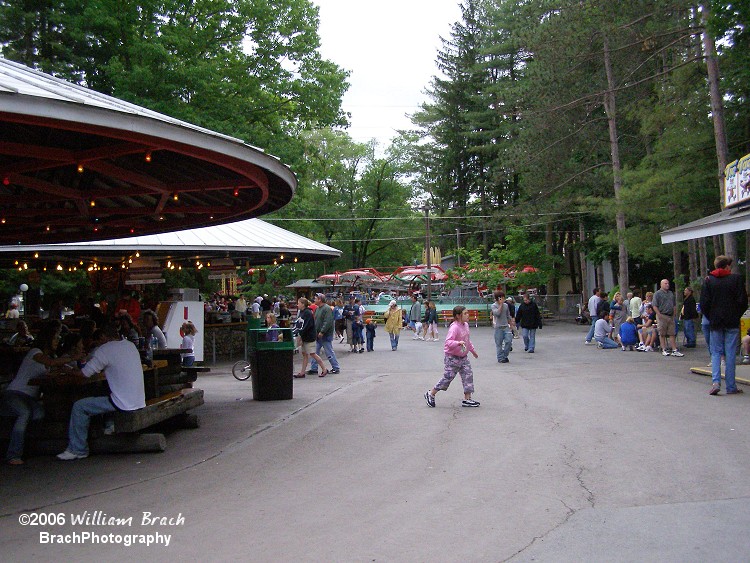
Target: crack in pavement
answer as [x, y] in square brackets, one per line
[570, 462]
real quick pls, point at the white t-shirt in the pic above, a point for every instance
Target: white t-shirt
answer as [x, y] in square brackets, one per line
[29, 369]
[121, 364]
[187, 344]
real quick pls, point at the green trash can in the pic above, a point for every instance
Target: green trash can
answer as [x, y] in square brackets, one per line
[271, 361]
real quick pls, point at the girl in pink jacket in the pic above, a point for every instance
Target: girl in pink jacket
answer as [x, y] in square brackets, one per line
[457, 348]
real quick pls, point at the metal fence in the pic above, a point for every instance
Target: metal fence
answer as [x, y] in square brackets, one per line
[559, 307]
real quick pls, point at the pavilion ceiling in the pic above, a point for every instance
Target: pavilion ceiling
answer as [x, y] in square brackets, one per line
[79, 166]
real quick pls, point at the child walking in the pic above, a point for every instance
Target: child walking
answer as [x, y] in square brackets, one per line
[357, 332]
[457, 347]
[370, 327]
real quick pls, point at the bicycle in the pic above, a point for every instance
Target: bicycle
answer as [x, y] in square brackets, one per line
[241, 370]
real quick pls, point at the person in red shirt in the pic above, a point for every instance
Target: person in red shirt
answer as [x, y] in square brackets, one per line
[129, 304]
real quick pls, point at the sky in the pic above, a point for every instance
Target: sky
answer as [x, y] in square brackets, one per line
[390, 47]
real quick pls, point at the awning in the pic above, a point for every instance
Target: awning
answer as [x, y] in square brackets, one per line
[252, 241]
[727, 221]
[308, 284]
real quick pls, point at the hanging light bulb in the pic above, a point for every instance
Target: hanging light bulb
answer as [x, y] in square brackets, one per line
[80, 168]
[147, 158]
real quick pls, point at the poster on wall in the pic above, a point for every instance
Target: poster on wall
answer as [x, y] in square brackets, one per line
[737, 182]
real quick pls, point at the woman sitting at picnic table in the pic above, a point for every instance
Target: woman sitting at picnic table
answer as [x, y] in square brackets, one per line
[128, 329]
[22, 399]
[151, 329]
[21, 337]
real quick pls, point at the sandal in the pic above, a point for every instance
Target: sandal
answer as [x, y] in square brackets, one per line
[299, 375]
[323, 373]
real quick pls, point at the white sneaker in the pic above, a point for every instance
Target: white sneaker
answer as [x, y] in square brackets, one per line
[677, 354]
[67, 455]
[623, 348]
[648, 349]
[665, 352]
[587, 342]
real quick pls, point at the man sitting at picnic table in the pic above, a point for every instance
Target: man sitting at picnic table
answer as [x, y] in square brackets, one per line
[121, 364]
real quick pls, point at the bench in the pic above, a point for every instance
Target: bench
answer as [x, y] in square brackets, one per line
[158, 410]
[193, 371]
[446, 317]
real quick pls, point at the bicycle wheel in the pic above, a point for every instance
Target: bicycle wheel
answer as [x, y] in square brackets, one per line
[241, 370]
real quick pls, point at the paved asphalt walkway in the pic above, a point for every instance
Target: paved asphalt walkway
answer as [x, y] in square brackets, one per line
[576, 454]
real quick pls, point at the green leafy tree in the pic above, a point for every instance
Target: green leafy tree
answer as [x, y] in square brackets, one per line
[245, 68]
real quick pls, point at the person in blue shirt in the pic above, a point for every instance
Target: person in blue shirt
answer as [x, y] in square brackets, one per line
[628, 334]
[370, 326]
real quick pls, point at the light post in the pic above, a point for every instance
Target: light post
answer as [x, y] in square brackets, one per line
[427, 250]
[22, 309]
[458, 247]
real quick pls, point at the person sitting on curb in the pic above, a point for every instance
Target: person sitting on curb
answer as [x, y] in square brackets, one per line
[121, 364]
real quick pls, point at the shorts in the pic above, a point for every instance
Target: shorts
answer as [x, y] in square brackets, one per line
[308, 347]
[665, 325]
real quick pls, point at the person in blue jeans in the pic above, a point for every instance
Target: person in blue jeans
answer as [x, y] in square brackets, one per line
[529, 318]
[504, 323]
[120, 362]
[601, 332]
[689, 314]
[723, 301]
[593, 305]
[21, 399]
[324, 328]
[370, 326]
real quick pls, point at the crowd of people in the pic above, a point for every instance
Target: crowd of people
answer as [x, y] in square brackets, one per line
[98, 344]
[56, 351]
[642, 324]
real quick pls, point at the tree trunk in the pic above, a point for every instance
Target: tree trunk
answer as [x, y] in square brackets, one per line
[692, 261]
[585, 289]
[676, 264]
[720, 135]
[571, 253]
[599, 281]
[611, 110]
[703, 257]
[549, 239]
[716, 239]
